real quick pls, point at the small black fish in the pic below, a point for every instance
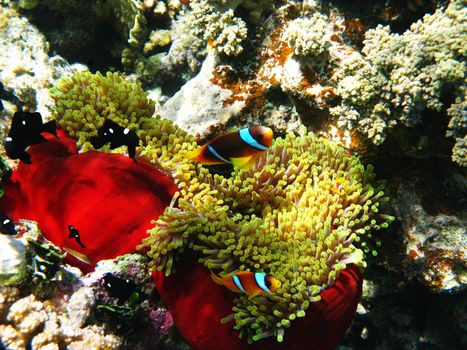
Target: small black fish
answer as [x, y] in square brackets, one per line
[7, 226]
[119, 288]
[117, 136]
[25, 130]
[1, 95]
[74, 233]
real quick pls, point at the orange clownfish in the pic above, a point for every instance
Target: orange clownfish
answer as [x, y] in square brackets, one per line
[239, 148]
[251, 283]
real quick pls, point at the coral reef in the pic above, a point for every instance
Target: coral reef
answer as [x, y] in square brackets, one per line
[399, 76]
[68, 314]
[386, 79]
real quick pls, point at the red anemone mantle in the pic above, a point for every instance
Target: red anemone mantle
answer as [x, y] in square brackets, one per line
[197, 305]
[109, 198]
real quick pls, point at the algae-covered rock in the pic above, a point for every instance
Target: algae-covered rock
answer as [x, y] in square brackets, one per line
[435, 243]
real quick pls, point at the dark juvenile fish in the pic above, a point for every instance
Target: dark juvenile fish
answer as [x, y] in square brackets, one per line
[74, 233]
[117, 136]
[119, 288]
[1, 95]
[25, 130]
[7, 226]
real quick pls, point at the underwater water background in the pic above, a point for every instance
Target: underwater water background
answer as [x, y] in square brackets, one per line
[233, 174]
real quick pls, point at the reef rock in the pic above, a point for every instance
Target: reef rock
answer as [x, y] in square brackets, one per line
[12, 261]
[435, 243]
[26, 70]
[200, 103]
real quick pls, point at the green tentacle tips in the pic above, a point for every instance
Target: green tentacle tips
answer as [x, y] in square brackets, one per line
[283, 217]
[302, 213]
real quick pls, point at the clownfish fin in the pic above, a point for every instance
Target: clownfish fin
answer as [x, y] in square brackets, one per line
[243, 163]
[216, 279]
[193, 154]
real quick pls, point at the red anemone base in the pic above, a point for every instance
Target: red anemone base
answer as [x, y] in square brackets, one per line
[197, 305]
[109, 198]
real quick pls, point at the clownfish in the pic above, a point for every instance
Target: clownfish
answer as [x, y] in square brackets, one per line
[251, 283]
[339, 186]
[239, 148]
[117, 136]
[26, 129]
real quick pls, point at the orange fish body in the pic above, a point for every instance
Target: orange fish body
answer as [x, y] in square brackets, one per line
[251, 283]
[240, 148]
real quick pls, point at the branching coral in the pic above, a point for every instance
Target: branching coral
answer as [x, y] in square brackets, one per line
[284, 217]
[399, 76]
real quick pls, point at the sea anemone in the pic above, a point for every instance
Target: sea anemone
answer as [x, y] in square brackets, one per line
[301, 214]
[98, 193]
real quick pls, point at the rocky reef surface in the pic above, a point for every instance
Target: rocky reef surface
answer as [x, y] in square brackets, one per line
[385, 79]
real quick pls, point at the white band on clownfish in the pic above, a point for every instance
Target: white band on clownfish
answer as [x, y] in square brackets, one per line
[260, 279]
[238, 283]
[250, 140]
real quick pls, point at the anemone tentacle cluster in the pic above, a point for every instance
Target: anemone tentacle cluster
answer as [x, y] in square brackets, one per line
[284, 217]
[85, 100]
[297, 214]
